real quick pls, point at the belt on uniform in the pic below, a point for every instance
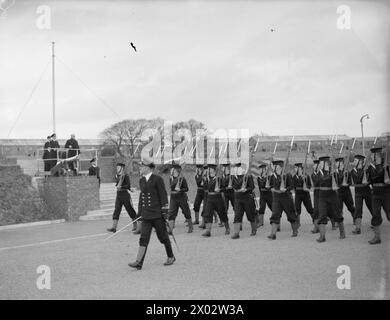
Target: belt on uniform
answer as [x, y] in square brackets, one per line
[279, 191]
[214, 193]
[177, 192]
[200, 188]
[265, 189]
[326, 189]
[301, 189]
[379, 185]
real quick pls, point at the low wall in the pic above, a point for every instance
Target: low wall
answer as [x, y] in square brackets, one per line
[69, 197]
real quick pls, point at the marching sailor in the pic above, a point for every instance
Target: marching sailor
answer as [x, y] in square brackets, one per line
[153, 208]
[179, 198]
[344, 191]
[243, 186]
[282, 199]
[327, 203]
[215, 201]
[302, 185]
[265, 193]
[362, 192]
[378, 173]
[122, 197]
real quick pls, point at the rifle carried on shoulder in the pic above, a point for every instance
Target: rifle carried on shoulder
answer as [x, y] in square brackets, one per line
[283, 182]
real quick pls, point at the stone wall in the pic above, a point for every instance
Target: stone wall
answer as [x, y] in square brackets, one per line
[70, 197]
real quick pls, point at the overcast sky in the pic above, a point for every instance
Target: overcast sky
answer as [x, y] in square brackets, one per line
[215, 61]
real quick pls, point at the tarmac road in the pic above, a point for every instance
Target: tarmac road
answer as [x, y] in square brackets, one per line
[85, 266]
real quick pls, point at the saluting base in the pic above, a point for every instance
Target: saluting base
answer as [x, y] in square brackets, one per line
[70, 197]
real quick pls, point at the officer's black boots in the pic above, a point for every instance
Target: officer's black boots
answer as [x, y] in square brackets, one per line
[377, 236]
[322, 228]
[202, 225]
[342, 230]
[140, 258]
[114, 226]
[278, 229]
[274, 229]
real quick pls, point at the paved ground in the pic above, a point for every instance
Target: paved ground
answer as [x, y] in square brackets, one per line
[87, 267]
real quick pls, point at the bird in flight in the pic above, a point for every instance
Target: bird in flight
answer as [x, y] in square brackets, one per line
[272, 30]
[133, 46]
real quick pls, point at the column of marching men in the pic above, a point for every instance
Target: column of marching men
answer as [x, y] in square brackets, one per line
[232, 184]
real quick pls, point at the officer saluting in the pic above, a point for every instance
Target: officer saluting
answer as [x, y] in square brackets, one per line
[122, 197]
[153, 208]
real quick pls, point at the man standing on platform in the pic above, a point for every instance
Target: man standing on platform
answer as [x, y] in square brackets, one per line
[46, 154]
[74, 150]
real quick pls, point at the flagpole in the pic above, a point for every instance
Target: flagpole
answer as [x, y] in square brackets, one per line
[53, 88]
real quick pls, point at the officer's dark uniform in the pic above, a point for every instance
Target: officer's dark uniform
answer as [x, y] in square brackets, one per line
[344, 194]
[302, 195]
[328, 203]
[282, 201]
[123, 198]
[46, 155]
[243, 202]
[153, 202]
[380, 194]
[179, 199]
[362, 193]
[215, 203]
[53, 152]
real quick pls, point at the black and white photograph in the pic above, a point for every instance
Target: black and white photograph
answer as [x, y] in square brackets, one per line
[210, 152]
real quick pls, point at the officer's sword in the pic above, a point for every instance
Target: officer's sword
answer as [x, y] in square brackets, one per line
[115, 233]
